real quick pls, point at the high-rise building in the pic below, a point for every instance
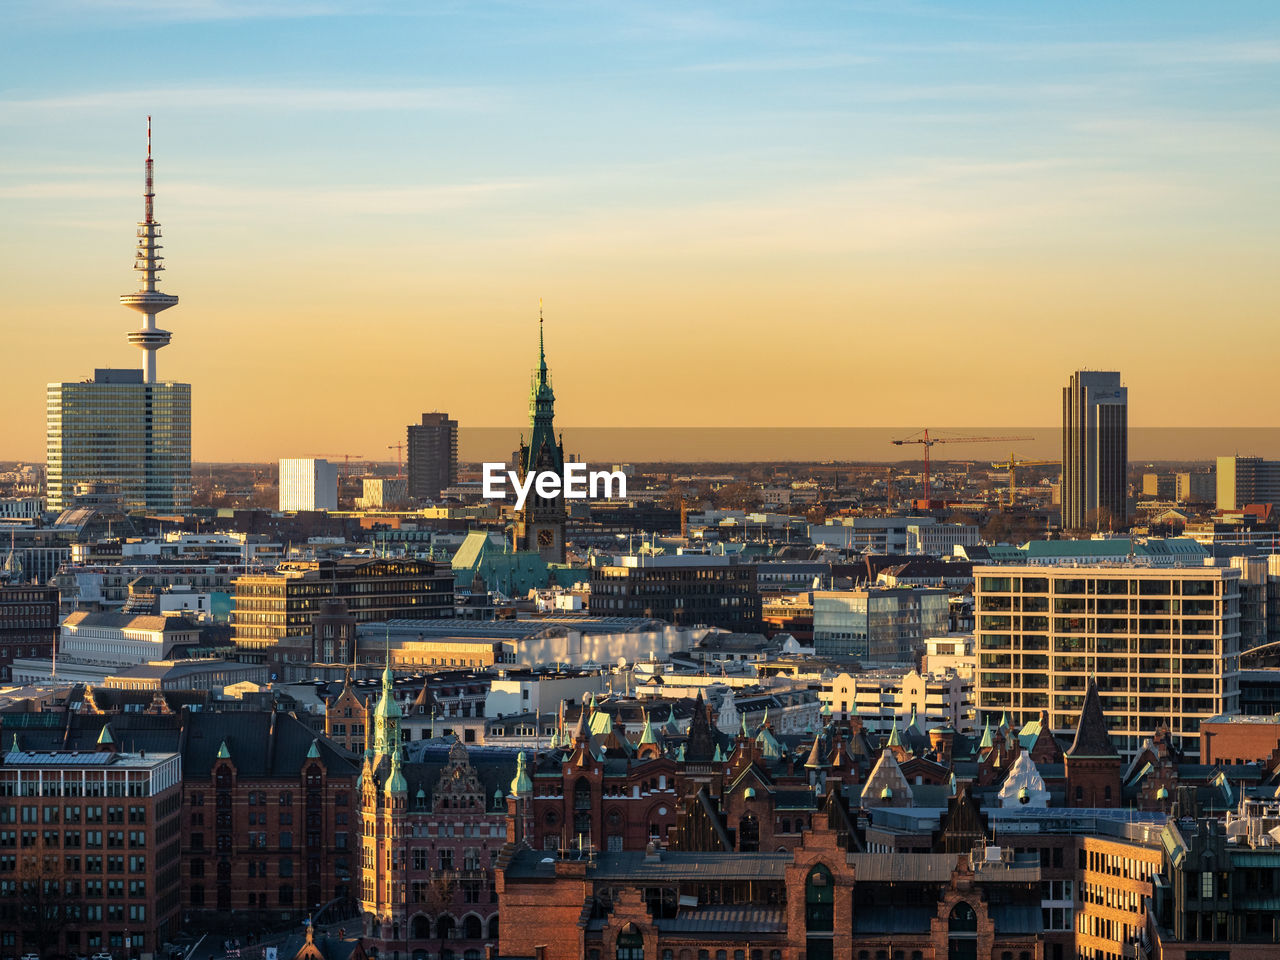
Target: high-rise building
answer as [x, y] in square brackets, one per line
[308, 484]
[1095, 450]
[542, 520]
[1246, 480]
[433, 455]
[1162, 644]
[124, 429]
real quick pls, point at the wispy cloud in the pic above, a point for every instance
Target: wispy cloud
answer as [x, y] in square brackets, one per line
[467, 99]
[779, 64]
[182, 10]
[323, 200]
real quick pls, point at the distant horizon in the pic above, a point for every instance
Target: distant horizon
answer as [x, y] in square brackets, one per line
[852, 445]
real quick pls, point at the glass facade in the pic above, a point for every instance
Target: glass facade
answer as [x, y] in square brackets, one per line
[131, 438]
[887, 625]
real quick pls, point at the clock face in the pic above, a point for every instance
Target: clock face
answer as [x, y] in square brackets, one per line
[545, 538]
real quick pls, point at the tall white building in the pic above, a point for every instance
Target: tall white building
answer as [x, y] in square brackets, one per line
[308, 484]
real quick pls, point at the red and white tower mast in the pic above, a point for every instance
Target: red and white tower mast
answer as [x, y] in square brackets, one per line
[148, 300]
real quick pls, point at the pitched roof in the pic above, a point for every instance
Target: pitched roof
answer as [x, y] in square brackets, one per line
[1092, 739]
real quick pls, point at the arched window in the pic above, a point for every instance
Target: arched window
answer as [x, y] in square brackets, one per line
[444, 928]
[962, 933]
[630, 943]
[819, 900]
[471, 927]
[749, 834]
[493, 927]
[421, 927]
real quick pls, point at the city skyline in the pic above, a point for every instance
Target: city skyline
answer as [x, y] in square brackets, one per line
[968, 206]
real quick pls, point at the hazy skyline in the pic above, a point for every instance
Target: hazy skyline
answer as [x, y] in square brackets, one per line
[816, 214]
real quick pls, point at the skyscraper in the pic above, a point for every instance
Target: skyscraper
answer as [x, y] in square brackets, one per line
[1095, 450]
[542, 520]
[433, 455]
[124, 429]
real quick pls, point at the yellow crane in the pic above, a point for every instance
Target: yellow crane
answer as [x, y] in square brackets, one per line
[1012, 465]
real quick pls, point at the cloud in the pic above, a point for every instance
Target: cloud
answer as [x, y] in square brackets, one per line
[182, 10]
[266, 98]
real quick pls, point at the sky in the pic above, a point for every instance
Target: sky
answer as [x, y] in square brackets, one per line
[773, 214]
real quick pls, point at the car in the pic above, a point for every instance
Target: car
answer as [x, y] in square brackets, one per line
[102, 956]
[31, 956]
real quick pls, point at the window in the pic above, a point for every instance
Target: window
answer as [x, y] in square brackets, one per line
[819, 898]
[630, 943]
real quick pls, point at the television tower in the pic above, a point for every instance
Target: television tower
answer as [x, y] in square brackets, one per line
[148, 301]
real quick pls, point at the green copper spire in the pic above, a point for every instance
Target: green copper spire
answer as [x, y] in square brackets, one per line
[387, 714]
[396, 783]
[314, 752]
[647, 735]
[718, 757]
[672, 726]
[223, 752]
[895, 739]
[105, 736]
[679, 753]
[743, 732]
[987, 740]
[15, 748]
[521, 785]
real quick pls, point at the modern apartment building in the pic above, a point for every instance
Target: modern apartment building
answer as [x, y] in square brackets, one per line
[1095, 450]
[308, 484]
[1163, 645]
[128, 436]
[433, 455]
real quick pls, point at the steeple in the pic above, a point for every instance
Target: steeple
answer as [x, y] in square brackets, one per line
[1092, 739]
[396, 782]
[387, 714]
[521, 785]
[542, 520]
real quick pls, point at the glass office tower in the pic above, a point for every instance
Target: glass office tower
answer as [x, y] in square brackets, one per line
[129, 438]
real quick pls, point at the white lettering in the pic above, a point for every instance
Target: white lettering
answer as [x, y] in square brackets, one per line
[522, 489]
[575, 481]
[548, 485]
[608, 478]
[495, 477]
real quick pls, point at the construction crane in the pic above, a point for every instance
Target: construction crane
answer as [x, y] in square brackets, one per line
[1014, 462]
[399, 449]
[922, 437]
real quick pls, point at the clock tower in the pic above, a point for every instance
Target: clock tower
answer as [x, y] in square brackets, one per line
[541, 523]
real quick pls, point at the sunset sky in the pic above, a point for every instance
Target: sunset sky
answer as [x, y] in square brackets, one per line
[741, 214]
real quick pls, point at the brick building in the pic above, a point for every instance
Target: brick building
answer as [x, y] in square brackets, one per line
[28, 623]
[431, 832]
[89, 850]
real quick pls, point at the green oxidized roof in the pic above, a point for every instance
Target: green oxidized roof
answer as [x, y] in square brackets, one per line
[396, 783]
[647, 735]
[105, 736]
[895, 738]
[521, 785]
[223, 752]
[987, 740]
